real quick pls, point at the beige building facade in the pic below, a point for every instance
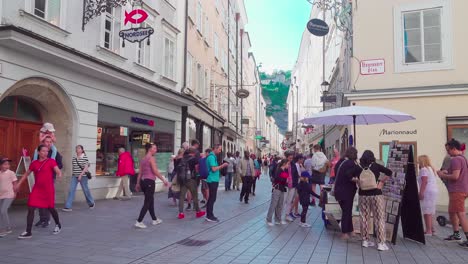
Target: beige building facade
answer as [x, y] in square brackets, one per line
[421, 45]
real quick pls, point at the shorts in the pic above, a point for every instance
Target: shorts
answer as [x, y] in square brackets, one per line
[204, 185]
[457, 202]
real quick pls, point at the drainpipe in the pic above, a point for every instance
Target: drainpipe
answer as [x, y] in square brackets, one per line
[237, 70]
[242, 75]
[184, 84]
[229, 62]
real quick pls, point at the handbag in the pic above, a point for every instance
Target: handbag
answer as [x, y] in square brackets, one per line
[88, 174]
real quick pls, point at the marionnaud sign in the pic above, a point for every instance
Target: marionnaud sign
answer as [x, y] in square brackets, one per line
[136, 34]
[318, 27]
[369, 67]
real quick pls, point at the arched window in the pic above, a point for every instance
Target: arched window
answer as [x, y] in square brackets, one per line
[19, 108]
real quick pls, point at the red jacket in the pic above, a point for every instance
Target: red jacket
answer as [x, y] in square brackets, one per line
[125, 166]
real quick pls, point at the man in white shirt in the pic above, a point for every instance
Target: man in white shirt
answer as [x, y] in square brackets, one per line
[320, 165]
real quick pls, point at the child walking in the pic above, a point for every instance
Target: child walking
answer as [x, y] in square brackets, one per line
[7, 195]
[304, 189]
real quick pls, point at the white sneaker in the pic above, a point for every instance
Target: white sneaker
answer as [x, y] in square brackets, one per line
[140, 225]
[367, 244]
[270, 223]
[57, 230]
[382, 247]
[289, 219]
[306, 225]
[284, 222]
[67, 209]
[157, 222]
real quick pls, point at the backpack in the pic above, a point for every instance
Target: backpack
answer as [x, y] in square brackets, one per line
[203, 169]
[183, 171]
[367, 179]
[265, 163]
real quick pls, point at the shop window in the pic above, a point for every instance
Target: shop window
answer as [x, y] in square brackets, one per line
[385, 148]
[112, 137]
[20, 109]
[458, 132]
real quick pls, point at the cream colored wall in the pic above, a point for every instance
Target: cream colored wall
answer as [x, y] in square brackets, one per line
[430, 114]
[374, 39]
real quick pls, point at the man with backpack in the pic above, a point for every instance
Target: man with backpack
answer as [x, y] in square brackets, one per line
[186, 177]
[457, 185]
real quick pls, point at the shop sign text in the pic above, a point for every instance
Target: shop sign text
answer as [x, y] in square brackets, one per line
[385, 132]
[142, 121]
[370, 67]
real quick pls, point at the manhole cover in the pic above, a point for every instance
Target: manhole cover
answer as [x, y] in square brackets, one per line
[193, 243]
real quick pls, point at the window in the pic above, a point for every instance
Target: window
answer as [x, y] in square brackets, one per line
[216, 46]
[200, 81]
[422, 39]
[199, 19]
[49, 10]
[112, 26]
[169, 58]
[206, 93]
[143, 49]
[423, 36]
[189, 70]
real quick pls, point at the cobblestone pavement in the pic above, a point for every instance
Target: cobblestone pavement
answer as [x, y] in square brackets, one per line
[106, 235]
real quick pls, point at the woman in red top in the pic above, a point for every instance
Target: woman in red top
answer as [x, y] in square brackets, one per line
[124, 171]
[43, 192]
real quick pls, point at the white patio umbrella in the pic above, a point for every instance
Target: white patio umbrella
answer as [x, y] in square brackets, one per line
[357, 115]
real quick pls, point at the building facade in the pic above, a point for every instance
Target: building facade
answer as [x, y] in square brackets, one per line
[98, 91]
[421, 46]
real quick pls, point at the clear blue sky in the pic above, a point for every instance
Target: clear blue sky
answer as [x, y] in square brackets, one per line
[275, 28]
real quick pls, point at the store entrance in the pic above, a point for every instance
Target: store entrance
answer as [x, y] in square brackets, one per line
[20, 123]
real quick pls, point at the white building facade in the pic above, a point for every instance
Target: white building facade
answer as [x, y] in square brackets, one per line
[97, 92]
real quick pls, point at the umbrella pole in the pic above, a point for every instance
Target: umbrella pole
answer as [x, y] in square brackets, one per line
[354, 128]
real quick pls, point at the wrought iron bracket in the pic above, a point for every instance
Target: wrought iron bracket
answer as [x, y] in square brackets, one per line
[94, 8]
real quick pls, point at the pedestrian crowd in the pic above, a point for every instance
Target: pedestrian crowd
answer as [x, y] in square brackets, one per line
[294, 181]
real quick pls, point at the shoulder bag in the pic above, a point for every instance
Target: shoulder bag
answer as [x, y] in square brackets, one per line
[88, 174]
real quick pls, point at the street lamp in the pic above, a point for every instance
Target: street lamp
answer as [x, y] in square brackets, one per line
[324, 86]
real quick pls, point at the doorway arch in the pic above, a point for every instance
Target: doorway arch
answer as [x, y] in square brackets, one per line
[53, 105]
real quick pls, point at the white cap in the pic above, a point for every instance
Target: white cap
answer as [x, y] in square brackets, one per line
[47, 127]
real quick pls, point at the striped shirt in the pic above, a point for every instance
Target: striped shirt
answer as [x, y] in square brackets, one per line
[78, 163]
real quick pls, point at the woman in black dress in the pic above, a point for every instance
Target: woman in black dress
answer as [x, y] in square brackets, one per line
[345, 189]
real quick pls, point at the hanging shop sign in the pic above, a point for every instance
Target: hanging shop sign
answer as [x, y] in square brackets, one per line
[259, 137]
[318, 27]
[328, 99]
[370, 67]
[245, 121]
[284, 146]
[136, 35]
[136, 16]
[142, 121]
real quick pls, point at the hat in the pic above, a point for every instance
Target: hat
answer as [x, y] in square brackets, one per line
[47, 127]
[305, 174]
[3, 160]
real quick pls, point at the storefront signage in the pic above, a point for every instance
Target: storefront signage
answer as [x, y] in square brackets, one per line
[370, 67]
[318, 27]
[143, 121]
[136, 16]
[245, 121]
[385, 132]
[136, 34]
[328, 99]
[258, 137]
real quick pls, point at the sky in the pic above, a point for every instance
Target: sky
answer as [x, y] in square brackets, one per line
[275, 28]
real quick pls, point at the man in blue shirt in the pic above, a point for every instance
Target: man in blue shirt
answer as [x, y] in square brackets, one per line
[213, 181]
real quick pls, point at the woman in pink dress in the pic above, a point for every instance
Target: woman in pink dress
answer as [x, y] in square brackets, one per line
[43, 192]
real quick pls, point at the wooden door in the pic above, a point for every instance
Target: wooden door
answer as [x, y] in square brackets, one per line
[6, 138]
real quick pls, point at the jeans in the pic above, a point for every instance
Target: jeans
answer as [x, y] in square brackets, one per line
[228, 181]
[246, 187]
[189, 185]
[123, 187]
[213, 191]
[288, 200]
[276, 205]
[148, 186]
[4, 219]
[84, 187]
[305, 208]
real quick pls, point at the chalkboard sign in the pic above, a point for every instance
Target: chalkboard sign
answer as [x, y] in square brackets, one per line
[398, 195]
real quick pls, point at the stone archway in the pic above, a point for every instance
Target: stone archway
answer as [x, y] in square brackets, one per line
[57, 108]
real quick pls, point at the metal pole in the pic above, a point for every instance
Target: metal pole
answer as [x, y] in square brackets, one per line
[237, 70]
[228, 66]
[242, 75]
[297, 114]
[323, 77]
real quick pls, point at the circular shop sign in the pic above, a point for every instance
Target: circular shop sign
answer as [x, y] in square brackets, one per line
[318, 27]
